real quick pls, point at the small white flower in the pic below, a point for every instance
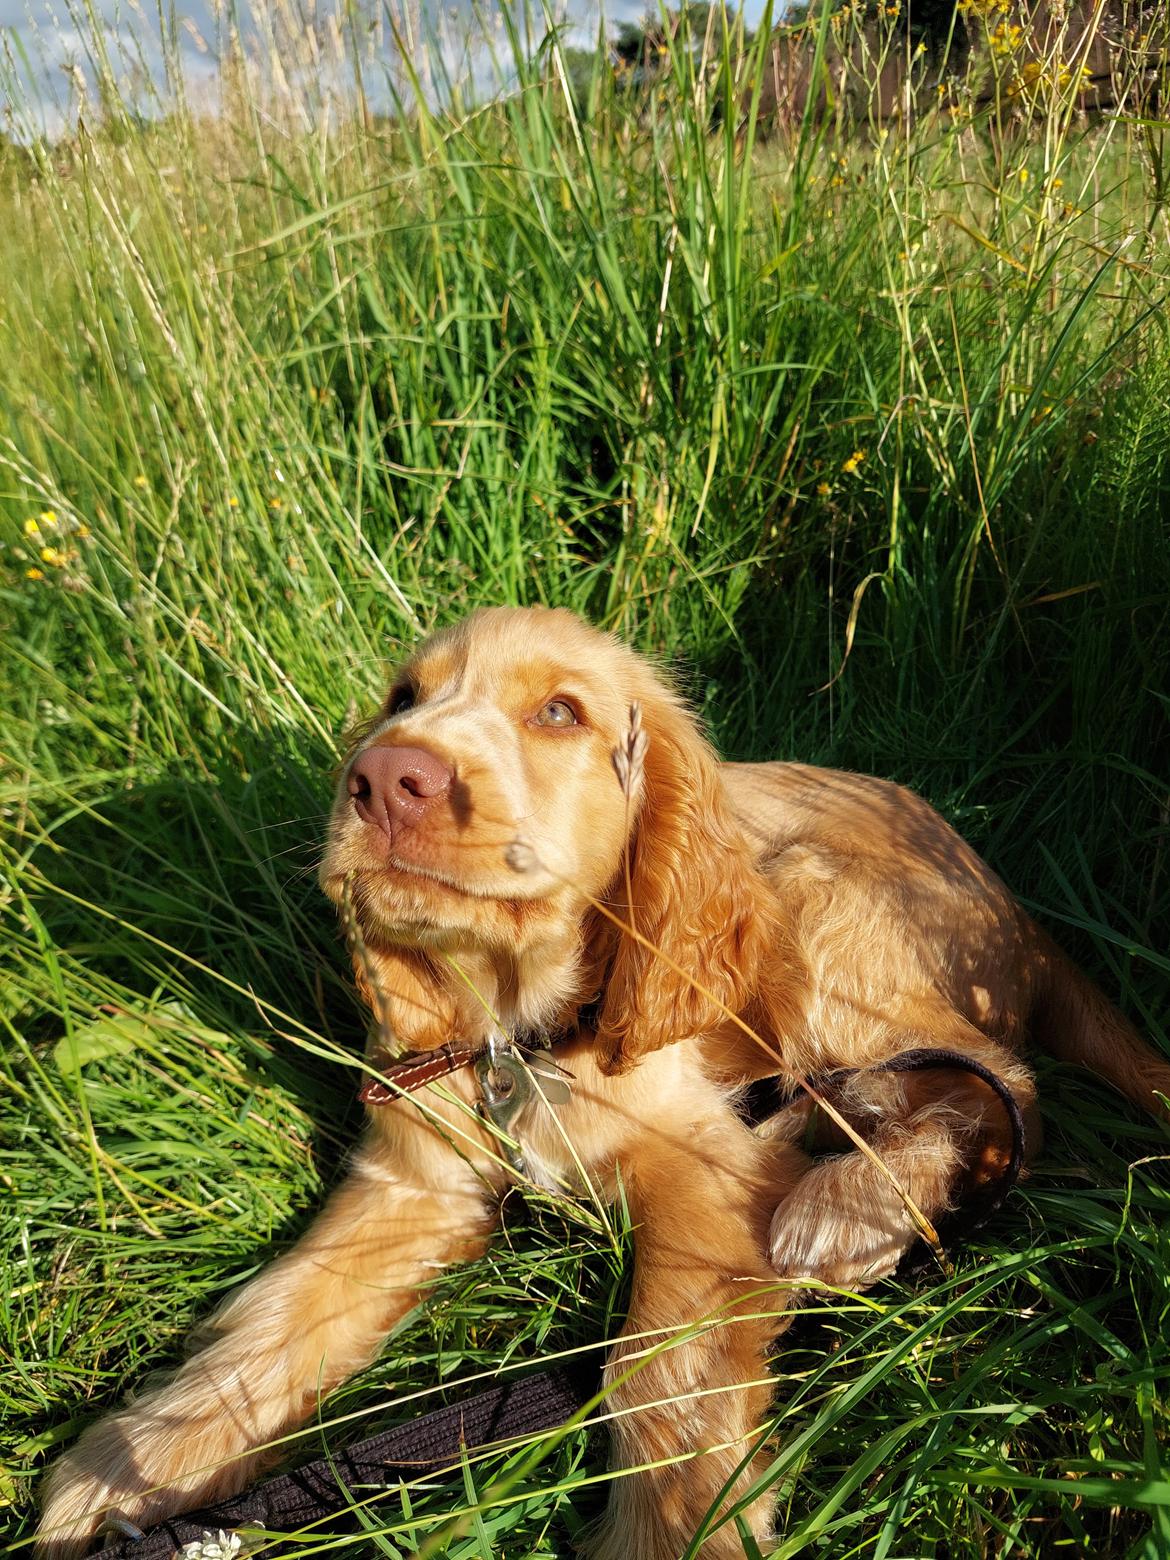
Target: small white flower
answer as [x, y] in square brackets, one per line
[212, 1546]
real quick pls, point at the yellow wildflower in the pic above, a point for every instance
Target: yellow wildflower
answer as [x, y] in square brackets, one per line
[824, 489]
[275, 503]
[31, 528]
[233, 502]
[83, 531]
[48, 517]
[54, 556]
[1006, 38]
[140, 481]
[34, 574]
[850, 466]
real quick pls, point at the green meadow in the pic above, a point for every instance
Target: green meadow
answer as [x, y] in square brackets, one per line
[864, 431]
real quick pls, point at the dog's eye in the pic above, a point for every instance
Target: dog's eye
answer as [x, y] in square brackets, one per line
[558, 713]
[401, 699]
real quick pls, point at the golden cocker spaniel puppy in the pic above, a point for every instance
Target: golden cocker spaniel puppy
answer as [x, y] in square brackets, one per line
[680, 927]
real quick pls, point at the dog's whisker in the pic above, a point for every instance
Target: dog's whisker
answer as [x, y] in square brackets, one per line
[287, 823]
[292, 850]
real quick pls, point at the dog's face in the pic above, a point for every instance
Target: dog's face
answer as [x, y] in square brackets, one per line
[480, 813]
[498, 730]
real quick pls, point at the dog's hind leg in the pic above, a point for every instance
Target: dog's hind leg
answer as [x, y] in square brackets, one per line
[846, 1222]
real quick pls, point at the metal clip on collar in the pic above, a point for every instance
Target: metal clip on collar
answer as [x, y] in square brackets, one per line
[506, 1089]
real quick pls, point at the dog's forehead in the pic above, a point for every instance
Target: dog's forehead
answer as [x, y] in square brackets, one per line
[511, 656]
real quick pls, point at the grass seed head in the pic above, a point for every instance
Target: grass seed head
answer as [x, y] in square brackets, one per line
[629, 758]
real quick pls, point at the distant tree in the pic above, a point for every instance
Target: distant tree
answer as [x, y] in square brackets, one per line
[641, 48]
[16, 161]
[580, 66]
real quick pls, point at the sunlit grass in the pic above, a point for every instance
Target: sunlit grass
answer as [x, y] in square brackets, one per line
[869, 434]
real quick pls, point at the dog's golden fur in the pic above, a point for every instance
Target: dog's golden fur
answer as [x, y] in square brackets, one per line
[838, 917]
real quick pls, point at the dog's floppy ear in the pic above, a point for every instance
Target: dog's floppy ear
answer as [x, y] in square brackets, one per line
[698, 898]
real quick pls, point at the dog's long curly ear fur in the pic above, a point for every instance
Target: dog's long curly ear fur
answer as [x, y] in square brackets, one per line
[698, 898]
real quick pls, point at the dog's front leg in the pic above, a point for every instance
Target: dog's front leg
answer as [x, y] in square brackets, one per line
[291, 1335]
[689, 1377]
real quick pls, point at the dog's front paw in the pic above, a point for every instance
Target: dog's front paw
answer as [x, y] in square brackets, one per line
[840, 1228]
[87, 1490]
[141, 1465]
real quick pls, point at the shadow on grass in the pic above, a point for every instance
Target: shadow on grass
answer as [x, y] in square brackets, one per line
[207, 883]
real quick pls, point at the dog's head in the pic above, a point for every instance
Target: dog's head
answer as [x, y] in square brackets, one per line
[480, 812]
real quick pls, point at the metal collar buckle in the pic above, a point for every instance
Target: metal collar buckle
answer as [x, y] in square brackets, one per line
[505, 1087]
[509, 1082]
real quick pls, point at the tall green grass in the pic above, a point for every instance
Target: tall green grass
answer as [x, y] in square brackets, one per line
[867, 433]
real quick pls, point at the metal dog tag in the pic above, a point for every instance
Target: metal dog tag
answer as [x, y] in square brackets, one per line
[551, 1081]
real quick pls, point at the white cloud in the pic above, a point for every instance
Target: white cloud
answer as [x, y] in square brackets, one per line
[46, 47]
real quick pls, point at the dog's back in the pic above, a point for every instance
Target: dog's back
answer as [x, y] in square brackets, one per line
[933, 911]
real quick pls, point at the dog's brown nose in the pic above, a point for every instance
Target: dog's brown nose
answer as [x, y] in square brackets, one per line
[392, 787]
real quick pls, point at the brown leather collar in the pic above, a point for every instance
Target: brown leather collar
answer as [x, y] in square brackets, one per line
[418, 1069]
[415, 1071]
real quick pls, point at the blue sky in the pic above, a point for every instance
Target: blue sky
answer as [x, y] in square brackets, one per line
[43, 43]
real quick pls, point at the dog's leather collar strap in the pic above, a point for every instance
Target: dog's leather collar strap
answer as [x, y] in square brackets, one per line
[415, 1072]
